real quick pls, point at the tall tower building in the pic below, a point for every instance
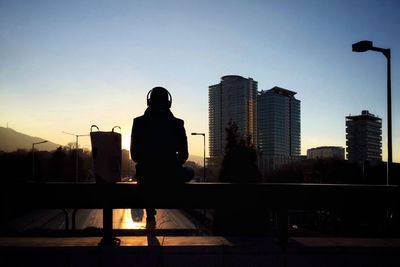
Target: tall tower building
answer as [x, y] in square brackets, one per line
[278, 123]
[233, 99]
[364, 137]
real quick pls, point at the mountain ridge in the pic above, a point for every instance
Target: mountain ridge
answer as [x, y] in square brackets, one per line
[11, 140]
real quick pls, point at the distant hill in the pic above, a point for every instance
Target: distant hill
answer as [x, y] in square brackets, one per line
[11, 140]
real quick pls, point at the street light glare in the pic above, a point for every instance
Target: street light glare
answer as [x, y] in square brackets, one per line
[362, 46]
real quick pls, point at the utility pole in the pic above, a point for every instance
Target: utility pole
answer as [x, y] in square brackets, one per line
[76, 150]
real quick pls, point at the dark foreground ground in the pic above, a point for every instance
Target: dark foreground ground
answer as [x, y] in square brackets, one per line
[198, 251]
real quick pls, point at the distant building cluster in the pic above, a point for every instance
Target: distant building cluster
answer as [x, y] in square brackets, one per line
[270, 119]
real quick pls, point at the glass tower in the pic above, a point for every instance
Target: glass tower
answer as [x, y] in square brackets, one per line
[234, 99]
[278, 123]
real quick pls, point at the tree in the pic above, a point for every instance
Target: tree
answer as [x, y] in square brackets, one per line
[239, 166]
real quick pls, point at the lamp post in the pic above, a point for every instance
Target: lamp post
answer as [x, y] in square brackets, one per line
[364, 46]
[76, 146]
[33, 157]
[204, 154]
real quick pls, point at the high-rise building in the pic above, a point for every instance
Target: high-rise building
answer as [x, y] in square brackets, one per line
[234, 99]
[364, 137]
[278, 124]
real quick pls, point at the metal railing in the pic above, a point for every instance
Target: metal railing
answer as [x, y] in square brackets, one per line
[279, 198]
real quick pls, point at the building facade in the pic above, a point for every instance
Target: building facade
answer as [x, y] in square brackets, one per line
[326, 152]
[278, 124]
[364, 137]
[234, 99]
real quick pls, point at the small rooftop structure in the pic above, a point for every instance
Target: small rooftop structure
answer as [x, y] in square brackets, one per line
[365, 115]
[279, 90]
[326, 152]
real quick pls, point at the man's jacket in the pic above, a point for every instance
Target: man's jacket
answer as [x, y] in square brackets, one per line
[158, 146]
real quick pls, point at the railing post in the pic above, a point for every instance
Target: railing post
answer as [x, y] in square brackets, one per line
[66, 213]
[107, 222]
[108, 238]
[283, 221]
[74, 219]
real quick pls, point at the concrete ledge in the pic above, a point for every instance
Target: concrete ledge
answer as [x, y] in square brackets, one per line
[347, 242]
[136, 241]
[199, 251]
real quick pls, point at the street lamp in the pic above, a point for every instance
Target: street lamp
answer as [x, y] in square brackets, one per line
[364, 46]
[76, 145]
[33, 157]
[204, 154]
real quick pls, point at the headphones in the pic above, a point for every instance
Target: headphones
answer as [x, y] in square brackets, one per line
[150, 96]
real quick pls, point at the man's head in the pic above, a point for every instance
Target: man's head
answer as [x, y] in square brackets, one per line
[159, 97]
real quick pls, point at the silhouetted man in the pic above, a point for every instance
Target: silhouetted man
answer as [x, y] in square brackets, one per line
[158, 145]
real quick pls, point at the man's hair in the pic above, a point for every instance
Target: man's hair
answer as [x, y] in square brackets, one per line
[159, 97]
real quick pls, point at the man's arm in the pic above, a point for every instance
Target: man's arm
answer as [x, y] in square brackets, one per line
[135, 145]
[183, 153]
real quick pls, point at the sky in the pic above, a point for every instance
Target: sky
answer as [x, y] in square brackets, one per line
[66, 65]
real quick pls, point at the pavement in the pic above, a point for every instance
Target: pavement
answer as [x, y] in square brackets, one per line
[93, 218]
[157, 248]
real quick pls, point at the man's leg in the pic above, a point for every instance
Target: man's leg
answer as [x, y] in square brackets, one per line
[150, 215]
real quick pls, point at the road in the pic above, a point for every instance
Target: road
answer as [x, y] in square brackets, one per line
[122, 219]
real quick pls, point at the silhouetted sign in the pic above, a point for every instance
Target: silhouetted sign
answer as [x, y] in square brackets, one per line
[106, 153]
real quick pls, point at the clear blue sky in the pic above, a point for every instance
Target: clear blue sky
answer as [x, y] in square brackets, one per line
[65, 65]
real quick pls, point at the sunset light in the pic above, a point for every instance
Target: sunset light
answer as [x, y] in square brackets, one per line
[199, 133]
[97, 65]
